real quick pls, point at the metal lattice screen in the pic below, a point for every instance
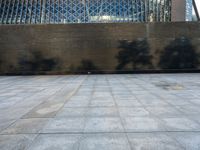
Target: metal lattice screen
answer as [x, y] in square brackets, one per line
[83, 11]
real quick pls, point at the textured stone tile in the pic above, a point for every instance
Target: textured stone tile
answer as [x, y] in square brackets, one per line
[16, 142]
[65, 125]
[25, 126]
[152, 141]
[13, 113]
[178, 102]
[105, 124]
[79, 103]
[134, 124]
[102, 112]
[153, 102]
[44, 110]
[102, 103]
[180, 124]
[124, 96]
[7, 104]
[164, 111]
[4, 123]
[104, 142]
[195, 101]
[56, 142]
[189, 110]
[133, 111]
[188, 140]
[128, 103]
[79, 98]
[71, 112]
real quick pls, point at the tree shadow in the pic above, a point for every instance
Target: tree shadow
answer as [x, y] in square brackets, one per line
[135, 53]
[1, 63]
[37, 63]
[179, 54]
[87, 66]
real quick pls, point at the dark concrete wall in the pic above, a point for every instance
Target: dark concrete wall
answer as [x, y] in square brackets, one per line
[60, 49]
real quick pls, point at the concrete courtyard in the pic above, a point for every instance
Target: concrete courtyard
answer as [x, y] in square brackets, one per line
[100, 112]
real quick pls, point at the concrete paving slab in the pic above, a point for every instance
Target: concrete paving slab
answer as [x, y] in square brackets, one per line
[44, 110]
[104, 142]
[128, 103]
[189, 109]
[142, 124]
[188, 140]
[13, 112]
[180, 124]
[133, 112]
[56, 142]
[26, 126]
[195, 102]
[153, 141]
[102, 103]
[16, 142]
[164, 111]
[72, 112]
[178, 102]
[65, 125]
[153, 102]
[4, 123]
[103, 124]
[77, 103]
[102, 112]
[105, 112]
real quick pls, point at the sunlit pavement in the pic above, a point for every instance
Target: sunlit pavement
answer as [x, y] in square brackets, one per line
[100, 112]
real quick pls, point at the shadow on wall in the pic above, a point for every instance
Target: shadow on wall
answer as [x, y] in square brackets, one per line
[8, 64]
[87, 66]
[36, 63]
[135, 53]
[179, 54]
[1, 63]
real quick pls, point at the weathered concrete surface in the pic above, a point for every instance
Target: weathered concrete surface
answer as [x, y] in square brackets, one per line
[100, 112]
[178, 12]
[61, 49]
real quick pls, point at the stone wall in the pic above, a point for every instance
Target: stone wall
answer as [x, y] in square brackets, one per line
[72, 48]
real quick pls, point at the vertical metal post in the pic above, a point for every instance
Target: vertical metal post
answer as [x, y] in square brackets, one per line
[21, 13]
[12, 13]
[16, 12]
[43, 16]
[40, 12]
[58, 20]
[7, 12]
[3, 12]
[145, 10]
[1, 3]
[62, 12]
[196, 10]
[26, 9]
[30, 11]
[50, 12]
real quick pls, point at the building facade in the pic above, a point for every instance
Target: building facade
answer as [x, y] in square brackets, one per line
[92, 11]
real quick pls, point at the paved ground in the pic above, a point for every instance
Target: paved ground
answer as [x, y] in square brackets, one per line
[100, 112]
